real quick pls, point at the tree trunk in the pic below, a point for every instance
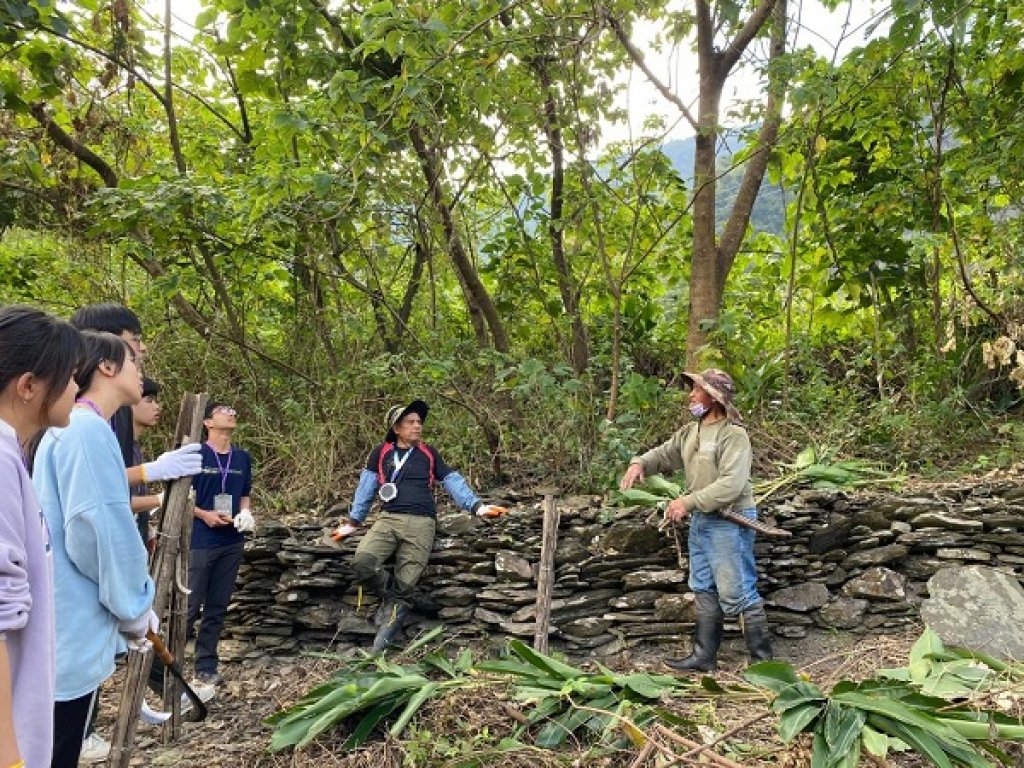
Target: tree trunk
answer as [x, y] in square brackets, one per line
[579, 352]
[477, 296]
[711, 260]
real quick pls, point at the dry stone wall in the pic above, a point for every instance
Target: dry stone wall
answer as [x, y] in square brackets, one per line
[855, 562]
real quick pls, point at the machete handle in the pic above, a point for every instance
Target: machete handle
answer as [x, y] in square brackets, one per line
[160, 648]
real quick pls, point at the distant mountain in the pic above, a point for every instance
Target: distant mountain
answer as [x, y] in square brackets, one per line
[769, 214]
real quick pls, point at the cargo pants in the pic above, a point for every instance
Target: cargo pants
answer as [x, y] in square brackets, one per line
[409, 538]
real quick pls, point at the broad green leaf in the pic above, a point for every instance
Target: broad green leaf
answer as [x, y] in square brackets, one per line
[842, 727]
[796, 695]
[415, 702]
[362, 731]
[648, 686]
[773, 675]
[874, 741]
[543, 662]
[795, 720]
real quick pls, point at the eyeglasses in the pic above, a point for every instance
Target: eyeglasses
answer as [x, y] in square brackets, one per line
[227, 410]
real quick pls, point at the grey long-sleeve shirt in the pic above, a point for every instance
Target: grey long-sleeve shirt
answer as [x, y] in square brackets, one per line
[716, 459]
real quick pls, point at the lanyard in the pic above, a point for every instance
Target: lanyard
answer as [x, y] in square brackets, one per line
[94, 408]
[224, 468]
[399, 463]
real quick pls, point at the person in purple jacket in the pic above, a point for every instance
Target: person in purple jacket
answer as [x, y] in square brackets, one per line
[38, 355]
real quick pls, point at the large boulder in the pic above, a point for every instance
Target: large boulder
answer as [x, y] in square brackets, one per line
[977, 607]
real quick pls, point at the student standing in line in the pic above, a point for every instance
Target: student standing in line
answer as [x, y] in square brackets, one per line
[38, 354]
[223, 514]
[145, 415]
[123, 323]
[182, 462]
[102, 590]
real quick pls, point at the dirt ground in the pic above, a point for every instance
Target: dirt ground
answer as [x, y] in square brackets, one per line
[463, 730]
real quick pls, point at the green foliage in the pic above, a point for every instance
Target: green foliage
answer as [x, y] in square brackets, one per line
[288, 251]
[933, 707]
[563, 701]
[944, 705]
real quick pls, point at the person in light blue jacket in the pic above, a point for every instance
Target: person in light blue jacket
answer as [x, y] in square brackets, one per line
[102, 589]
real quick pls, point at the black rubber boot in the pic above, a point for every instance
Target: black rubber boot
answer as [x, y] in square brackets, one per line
[373, 583]
[707, 638]
[391, 617]
[757, 634]
[424, 604]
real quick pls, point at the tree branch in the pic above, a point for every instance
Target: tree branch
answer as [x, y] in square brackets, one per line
[637, 57]
[61, 138]
[753, 175]
[750, 28]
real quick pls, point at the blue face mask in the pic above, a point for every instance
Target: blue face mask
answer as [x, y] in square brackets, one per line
[698, 409]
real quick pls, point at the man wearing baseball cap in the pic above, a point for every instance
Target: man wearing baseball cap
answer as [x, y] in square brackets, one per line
[714, 451]
[402, 472]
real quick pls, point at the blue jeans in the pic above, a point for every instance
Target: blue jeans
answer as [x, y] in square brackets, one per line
[722, 561]
[211, 579]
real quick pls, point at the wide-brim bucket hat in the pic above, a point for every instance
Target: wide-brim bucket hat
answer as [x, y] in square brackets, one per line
[718, 384]
[398, 412]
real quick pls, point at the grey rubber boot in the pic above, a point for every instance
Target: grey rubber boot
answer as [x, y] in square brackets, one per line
[707, 638]
[757, 634]
[391, 617]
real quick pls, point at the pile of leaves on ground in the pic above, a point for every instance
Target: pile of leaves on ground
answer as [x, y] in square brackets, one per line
[949, 707]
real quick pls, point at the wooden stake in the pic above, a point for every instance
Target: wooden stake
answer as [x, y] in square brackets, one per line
[546, 574]
[177, 507]
[177, 629]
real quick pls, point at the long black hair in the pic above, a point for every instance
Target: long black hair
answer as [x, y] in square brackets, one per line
[31, 341]
[100, 347]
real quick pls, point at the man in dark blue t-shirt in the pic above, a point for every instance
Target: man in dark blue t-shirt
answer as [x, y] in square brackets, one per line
[222, 516]
[402, 473]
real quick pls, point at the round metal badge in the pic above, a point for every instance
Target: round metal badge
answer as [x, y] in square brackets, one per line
[388, 491]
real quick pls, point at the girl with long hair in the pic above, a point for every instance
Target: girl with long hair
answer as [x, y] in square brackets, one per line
[38, 355]
[103, 591]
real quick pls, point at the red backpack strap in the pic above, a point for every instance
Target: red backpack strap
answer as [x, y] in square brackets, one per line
[384, 451]
[430, 460]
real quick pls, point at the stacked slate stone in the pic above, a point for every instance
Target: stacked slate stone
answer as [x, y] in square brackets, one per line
[855, 562]
[866, 559]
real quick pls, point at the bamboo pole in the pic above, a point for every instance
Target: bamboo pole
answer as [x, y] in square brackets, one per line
[177, 505]
[546, 574]
[177, 629]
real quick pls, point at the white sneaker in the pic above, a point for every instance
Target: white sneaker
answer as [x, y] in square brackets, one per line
[206, 693]
[95, 749]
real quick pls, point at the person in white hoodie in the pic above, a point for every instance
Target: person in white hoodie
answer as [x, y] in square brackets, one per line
[103, 592]
[38, 354]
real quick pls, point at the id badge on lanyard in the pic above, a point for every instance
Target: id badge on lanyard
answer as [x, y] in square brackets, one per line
[389, 491]
[223, 504]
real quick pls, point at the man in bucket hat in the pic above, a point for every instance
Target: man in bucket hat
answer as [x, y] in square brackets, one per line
[714, 450]
[402, 472]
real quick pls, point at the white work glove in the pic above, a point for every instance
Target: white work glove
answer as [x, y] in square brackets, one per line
[181, 462]
[135, 630]
[343, 531]
[244, 521]
[490, 510]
